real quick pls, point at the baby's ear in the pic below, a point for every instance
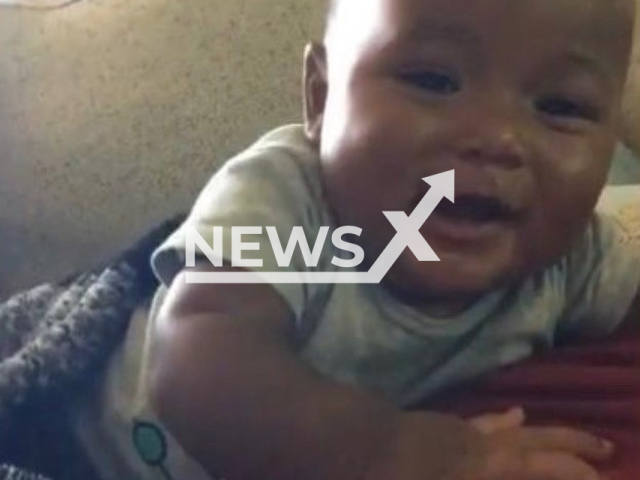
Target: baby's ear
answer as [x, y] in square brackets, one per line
[315, 87]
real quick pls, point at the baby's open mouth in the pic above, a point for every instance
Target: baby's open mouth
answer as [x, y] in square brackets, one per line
[475, 209]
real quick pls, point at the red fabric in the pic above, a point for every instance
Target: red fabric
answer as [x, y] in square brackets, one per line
[593, 386]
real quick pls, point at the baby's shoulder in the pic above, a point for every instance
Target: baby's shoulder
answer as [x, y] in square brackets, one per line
[280, 170]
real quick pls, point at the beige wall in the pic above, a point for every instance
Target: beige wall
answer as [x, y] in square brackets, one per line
[114, 112]
[632, 101]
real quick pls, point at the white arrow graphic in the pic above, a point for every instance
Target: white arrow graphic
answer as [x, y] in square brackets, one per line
[407, 235]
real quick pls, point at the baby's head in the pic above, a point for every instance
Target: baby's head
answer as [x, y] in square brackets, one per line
[521, 98]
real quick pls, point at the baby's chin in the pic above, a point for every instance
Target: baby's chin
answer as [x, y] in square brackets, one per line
[455, 280]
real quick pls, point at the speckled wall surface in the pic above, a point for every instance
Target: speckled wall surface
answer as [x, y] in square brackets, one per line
[113, 113]
[632, 101]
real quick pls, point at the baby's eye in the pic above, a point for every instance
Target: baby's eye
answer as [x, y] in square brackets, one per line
[433, 81]
[566, 109]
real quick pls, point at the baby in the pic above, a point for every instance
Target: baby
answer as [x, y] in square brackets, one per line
[308, 381]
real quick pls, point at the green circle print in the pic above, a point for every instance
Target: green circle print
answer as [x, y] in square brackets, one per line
[150, 443]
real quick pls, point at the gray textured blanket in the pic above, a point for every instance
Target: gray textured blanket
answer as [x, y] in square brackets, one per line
[53, 340]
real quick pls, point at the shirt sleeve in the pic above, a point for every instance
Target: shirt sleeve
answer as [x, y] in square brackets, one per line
[603, 277]
[264, 187]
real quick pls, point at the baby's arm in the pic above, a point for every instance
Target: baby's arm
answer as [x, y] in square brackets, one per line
[229, 385]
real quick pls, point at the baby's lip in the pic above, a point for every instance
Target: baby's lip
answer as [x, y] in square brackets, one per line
[482, 192]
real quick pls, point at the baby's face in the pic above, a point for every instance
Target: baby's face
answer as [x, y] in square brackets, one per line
[521, 98]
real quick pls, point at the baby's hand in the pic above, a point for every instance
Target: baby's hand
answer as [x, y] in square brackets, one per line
[517, 452]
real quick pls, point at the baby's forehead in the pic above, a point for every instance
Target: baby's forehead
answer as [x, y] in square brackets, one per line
[616, 13]
[604, 26]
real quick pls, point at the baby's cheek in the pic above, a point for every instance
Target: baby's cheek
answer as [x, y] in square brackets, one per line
[546, 236]
[566, 192]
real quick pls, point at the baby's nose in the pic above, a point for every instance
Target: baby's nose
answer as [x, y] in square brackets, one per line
[493, 134]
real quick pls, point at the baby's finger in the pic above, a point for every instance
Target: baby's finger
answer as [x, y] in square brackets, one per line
[568, 440]
[557, 466]
[493, 422]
